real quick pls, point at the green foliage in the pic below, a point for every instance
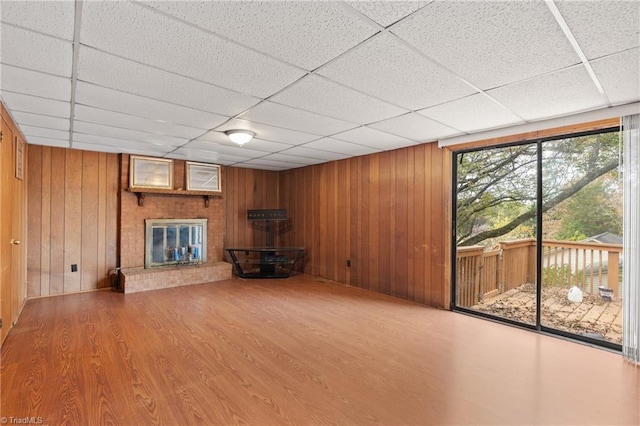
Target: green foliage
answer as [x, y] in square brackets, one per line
[496, 188]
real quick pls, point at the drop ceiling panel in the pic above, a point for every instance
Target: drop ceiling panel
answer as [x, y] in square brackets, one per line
[271, 164]
[240, 151]
[39, 132]
[259, 167]
[384, 67]
[127, 149]
[603, 27]
[301, 151]
[55, 18]
[620, 76]
[340, 147]
[34, 51]
[322, 96]
[206, 156]
[46, 141]
[386, 13]
[127, 134]
[270, 133]
[36, 105]
[120, 74]
[100, 97]
[115, 119]
[551, 95]
[373, 138]
[144, 35]
[489, 43]
[283, 116]
[473, 113]
[35, 83]
[131, 144]
[416, 127]
[303, 33]
[56, 123]
[293, 159]
[216, 140]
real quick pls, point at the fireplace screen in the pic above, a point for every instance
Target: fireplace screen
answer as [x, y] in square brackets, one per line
[175, 241]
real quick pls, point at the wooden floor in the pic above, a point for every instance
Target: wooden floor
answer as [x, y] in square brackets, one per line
[593, 316]
[296, 351]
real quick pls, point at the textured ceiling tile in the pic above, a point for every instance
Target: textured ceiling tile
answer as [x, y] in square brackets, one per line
[37, 52]
[35, 83]
[30, 131]
[36, 105]
[56, 123]
[115, 119]
[215, 139]
[416, 127]
[282, 116]
[489, 43]
[270, 133]
[603, 27]
[301, 151]
[303, 33]
[45, 141]
[340, 147]
[108, 141]
[100, 97]
[129, 148]
[386, 13]
[259, 167]
[386, 68]
[55, 18]
[120, 74]
[127, 134]
[274, 165]
[241, 151]
[373, 138]
[140, 34]
[552, 95]
[620, 76]
[322, 96]
[207, 156]
[293, 159]
[471, 114]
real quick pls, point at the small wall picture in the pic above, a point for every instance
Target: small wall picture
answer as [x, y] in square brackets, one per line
[150, 172]
[202, 177]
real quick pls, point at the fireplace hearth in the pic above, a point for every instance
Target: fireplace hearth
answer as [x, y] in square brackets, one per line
[175, 242]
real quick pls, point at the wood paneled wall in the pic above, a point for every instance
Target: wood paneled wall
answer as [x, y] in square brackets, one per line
[73, 219]
[387, 213]
[248, 189]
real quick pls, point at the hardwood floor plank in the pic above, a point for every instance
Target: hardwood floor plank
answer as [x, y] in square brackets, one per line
[299, 351]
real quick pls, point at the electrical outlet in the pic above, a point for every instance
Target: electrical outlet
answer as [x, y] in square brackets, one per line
[348, 263]
[74, 267]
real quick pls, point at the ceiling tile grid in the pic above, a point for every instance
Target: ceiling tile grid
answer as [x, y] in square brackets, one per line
[490, 44]
[315, 81]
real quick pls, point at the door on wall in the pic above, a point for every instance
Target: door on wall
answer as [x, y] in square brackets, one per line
[538, 232]
[6, 228]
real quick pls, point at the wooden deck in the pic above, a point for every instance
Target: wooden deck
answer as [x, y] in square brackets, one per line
[594, 317]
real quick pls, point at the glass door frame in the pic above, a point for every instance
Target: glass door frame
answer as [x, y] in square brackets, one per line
[538, 326]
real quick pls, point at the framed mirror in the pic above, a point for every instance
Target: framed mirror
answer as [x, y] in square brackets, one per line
[149, 172]
[202, 177]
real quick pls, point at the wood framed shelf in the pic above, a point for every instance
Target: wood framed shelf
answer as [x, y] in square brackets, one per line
[142, 192]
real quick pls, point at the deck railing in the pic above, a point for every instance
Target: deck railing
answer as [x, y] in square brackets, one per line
[482, 274]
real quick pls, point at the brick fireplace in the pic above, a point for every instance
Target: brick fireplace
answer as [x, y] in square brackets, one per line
[134, 276]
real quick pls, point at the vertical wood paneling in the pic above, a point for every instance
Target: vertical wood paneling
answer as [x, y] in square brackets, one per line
[89, 221]
[394, 216]
[246, 189]
[75, 221]
[34, 253]
[58, 208]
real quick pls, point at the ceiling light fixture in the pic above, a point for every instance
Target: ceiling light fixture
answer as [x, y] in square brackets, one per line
[240, 136]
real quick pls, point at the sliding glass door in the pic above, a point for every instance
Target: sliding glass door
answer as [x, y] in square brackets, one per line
[538, 232]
